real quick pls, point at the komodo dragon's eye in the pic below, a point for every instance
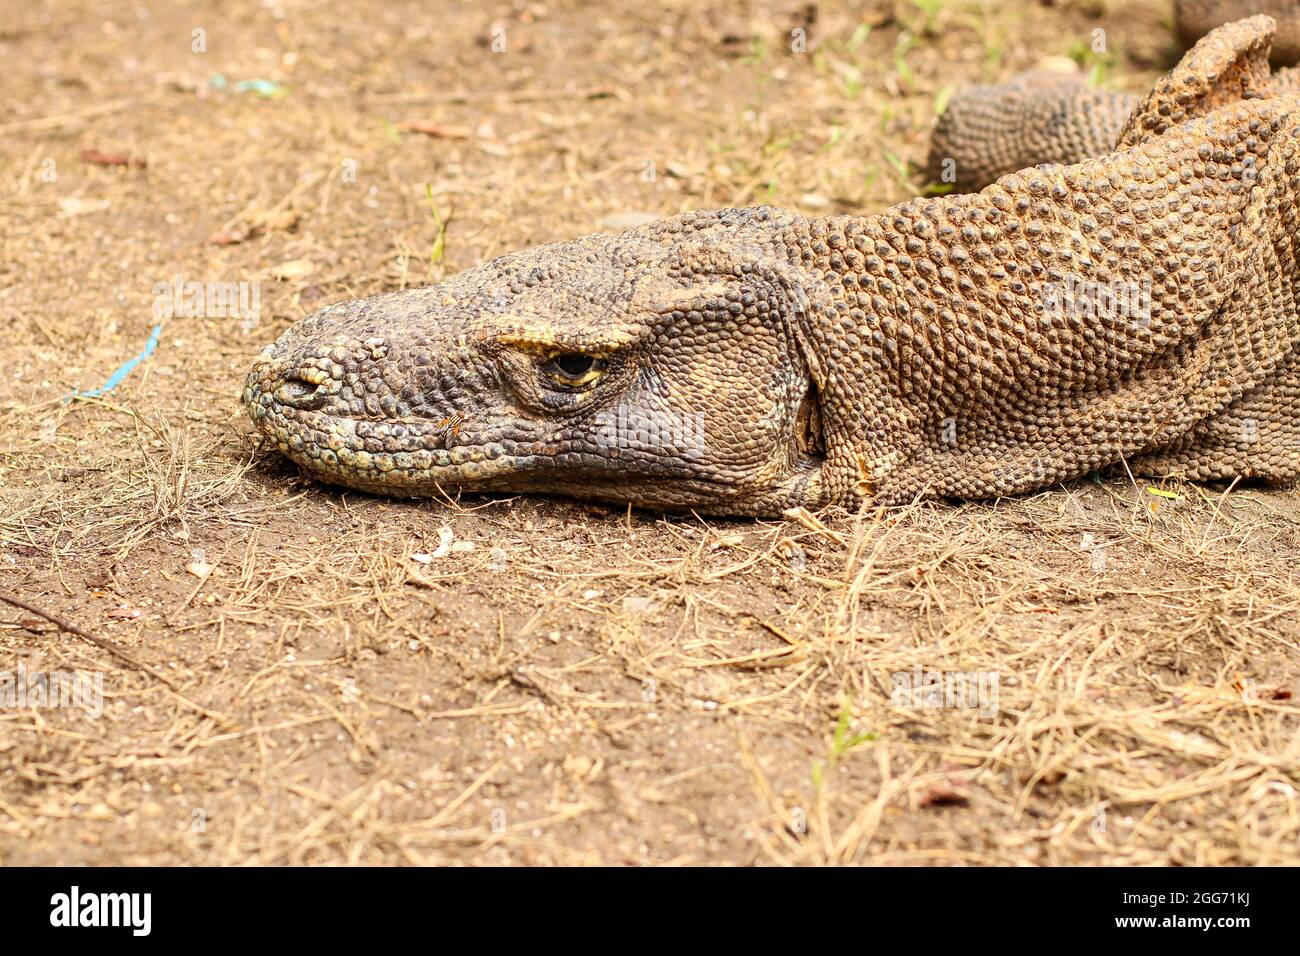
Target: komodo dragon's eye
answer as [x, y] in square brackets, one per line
[573, 369]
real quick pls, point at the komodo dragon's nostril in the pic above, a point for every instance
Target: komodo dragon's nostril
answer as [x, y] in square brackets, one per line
[299, 391]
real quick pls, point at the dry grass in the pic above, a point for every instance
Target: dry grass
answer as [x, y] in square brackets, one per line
[292, 676]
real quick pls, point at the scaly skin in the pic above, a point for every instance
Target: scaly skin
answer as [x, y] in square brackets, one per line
[746, 361]
[1041, 116]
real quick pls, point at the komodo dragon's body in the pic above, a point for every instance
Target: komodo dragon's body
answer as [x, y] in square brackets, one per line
[1137, 309]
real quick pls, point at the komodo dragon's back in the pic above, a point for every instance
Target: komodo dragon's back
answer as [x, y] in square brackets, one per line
[1135, 309]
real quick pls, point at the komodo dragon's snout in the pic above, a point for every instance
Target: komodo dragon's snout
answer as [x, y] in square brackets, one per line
[647, 367]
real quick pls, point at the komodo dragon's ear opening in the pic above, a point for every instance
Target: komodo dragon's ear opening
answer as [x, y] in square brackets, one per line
[1228, 64]
[809, 436]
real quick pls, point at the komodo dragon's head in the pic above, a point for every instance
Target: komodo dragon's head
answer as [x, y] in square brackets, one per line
[666, 367]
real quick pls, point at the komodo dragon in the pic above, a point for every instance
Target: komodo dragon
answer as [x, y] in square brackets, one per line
[747, 361]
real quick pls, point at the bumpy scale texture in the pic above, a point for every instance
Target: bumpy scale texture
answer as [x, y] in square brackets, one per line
[747, 361]
[1040, 116]
[1049, 116]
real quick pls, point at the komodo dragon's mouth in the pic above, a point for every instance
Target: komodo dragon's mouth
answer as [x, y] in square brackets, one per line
[419, 457]
[389, 455]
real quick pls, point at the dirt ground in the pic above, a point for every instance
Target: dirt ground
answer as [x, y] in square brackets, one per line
[296, 674]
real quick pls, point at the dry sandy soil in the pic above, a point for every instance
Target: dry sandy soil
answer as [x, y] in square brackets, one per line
[297, 674]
